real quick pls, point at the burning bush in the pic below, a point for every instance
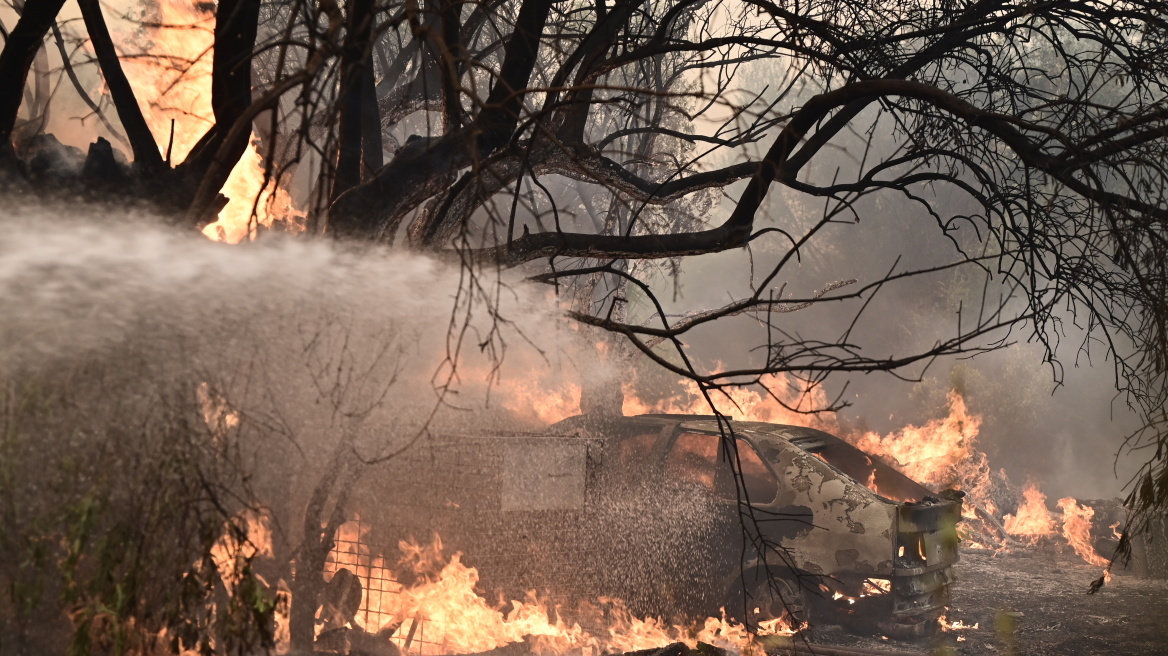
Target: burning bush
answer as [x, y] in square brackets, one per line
[124, 529]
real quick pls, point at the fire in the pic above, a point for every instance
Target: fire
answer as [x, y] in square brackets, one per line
[943, 453]
[541, 395]
[245, 536]
[534, 393]
[217, 412]
[876, 587]
[958, 625]
[939, 454]
[1077, 530]
[441, 613]
[1033, 518]
[743, 403]
[528, 398]
[175, 83]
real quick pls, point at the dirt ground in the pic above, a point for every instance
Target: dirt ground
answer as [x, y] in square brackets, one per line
[1035, 604]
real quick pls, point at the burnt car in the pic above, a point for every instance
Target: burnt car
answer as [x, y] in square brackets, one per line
[648, 509]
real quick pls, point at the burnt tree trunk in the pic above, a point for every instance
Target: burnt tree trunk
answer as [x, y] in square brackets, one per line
[142, 142]
[308, 569]
[374, 209]
[356, 57]
[371, 146]
[216, 153]
[19, 51]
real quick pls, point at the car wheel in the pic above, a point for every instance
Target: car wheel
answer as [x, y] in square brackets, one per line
[772, 599]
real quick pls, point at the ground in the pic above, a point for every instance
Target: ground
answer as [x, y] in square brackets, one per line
[1043, 595]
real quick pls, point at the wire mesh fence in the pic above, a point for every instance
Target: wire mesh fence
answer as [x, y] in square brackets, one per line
[381, 605]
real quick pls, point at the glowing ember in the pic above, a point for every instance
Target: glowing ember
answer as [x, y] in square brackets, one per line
[876, 587]
[1077, 530]
[955, 626]
[1033, 518]
[442, 612]
[175, 80]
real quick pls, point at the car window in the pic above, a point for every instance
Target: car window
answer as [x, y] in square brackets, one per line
[635, 452]
[761, 485]
[695, 458]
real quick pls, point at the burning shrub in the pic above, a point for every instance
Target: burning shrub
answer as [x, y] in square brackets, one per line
[123, 507]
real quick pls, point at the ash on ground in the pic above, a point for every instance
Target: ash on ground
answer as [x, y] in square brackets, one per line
[1036, 604]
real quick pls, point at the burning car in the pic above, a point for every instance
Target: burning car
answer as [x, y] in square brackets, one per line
[647, 509]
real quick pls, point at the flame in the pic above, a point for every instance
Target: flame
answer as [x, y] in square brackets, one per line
[246, 535]
[836, 596]
[871, 482]
[530, 399]
[876, 587]
[173, 76]
[1033, 518]
[781, 406]
[542, 395]
[441, 613]
[1077, 530]
[217, 412]
[958, 625]
[942, 453]
[936, 454]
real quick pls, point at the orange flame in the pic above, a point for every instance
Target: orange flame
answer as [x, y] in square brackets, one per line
[1033, 518]
[782, 405]
[532, 400]
[542, 396]
[1077, 530]
[245, 536]
[441, 613]
[174, 77]
[957, 625]
[940, 453]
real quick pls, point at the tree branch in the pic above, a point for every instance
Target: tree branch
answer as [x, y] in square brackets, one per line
[213, 157]
[142, 143]
[19, 50]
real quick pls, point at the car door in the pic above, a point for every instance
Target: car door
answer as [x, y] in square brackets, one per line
[708, 500]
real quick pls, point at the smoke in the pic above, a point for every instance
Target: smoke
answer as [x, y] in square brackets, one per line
[1061, 425]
